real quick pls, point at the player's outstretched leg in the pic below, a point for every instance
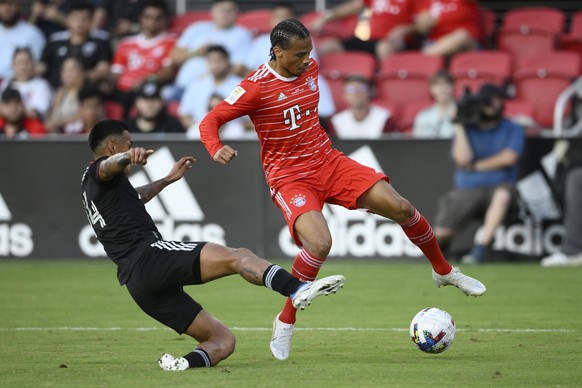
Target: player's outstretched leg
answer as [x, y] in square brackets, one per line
[283, 332]
[467, 284]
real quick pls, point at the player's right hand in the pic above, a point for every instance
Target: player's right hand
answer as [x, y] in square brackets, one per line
[138, 155]
[225, 155]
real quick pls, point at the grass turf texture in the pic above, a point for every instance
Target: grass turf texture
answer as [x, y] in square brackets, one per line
[57, 320]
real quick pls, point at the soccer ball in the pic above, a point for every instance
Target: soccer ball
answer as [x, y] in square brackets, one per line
[433, 330]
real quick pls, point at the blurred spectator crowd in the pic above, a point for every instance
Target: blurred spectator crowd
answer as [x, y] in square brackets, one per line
[387, 67]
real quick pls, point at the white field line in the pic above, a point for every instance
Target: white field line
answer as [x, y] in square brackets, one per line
[364, 329]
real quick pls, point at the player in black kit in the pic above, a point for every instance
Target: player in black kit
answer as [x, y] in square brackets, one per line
[154, 270]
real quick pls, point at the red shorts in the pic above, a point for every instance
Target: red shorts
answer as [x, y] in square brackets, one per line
[341, 181]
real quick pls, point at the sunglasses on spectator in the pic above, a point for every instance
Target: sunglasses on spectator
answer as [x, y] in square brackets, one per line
[351, 89]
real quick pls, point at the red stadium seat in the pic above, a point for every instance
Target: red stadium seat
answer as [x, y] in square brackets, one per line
[393, 108]
[540, 79]
[258, 21]
[521, 45]
[488, 23]
[474, 68]
[404, 77]
[534, 18]
[342, 64]
[522, 112]
[181, 22]
[572, 41]
[531, 30]
[336, 67]
[408, 113]
[340, 28]
[113, 110]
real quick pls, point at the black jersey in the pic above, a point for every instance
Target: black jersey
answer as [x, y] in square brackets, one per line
[119, 218]
[94, 50]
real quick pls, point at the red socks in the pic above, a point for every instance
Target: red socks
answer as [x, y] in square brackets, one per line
[305, 267]
[420, 233]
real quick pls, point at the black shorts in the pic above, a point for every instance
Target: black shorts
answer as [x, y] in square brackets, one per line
[157, 279]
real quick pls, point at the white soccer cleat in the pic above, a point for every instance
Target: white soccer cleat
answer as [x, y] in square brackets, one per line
[169, 363]
[281, 339]
[311, 290]
[559, 259]
[463, 282]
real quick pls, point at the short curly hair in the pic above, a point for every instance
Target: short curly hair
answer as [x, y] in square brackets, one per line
[285, 31]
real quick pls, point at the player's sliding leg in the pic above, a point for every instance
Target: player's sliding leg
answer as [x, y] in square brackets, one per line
[384, 200]
[216, 341]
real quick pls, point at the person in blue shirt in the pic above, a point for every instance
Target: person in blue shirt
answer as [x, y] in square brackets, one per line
[485, 151]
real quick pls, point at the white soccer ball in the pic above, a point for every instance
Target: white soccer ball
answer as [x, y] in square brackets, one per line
[433, 330]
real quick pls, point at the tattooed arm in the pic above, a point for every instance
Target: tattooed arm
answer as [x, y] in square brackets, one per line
[147, 192]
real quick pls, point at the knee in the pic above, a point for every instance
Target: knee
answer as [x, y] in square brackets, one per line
[502, 196]
[223, 347]
[319, 246]
[402, 210]
[241, 256]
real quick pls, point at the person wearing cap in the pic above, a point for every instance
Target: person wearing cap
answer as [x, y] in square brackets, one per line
[486, 159]
[13, 120]
[152, 116]
[15, 33]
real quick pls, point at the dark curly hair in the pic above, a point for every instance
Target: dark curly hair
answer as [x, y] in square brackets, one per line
[284, 32]
[103, 129]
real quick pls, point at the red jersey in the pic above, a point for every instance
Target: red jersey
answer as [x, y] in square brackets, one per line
[33, 127]
[137, 57]
[387, 14]
[452, 15]
[285, 114]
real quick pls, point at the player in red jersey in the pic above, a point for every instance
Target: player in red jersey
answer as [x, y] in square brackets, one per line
[304, 171]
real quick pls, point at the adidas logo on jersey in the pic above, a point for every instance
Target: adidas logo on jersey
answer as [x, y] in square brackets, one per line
[281, 97]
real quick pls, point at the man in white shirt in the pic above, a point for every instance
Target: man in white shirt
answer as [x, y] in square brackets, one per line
[191, 47]
[361, 120]
[16, 33]
[219, 80]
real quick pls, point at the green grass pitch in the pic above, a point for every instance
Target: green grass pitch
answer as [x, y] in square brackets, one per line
[69, 324]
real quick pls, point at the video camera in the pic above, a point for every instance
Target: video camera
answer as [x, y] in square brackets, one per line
[469, 107]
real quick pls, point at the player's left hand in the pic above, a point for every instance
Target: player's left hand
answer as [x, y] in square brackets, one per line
[180, 168]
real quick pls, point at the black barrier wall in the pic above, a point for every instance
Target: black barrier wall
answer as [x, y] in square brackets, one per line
[41, 214]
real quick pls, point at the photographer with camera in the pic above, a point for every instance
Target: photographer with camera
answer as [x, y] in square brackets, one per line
[486, 149]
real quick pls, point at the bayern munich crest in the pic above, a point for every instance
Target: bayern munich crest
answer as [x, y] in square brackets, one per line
[311, 84]
[298, 200]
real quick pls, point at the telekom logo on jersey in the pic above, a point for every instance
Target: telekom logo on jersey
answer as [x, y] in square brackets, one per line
[293, 115]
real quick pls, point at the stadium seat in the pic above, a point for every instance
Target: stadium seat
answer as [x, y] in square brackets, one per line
[473, 68]
[393, 108]
[113, 110]
[572, 41]
[258, 21]
[488, 23]
[521, 45]
[340, 28]
[530, 30]
[522, 112]
[541, 78]
[339, 65]
[181, 22]
[408, 112]
[404, 77]
[534, 18]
